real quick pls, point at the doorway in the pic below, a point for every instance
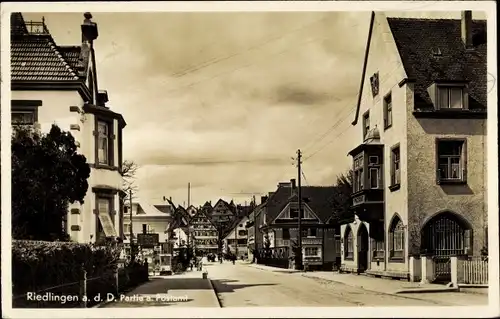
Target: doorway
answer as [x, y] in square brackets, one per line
[362, 248]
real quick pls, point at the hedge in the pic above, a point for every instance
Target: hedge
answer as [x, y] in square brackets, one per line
[39, 266]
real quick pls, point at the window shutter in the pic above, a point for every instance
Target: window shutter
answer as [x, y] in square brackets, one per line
[464, 160]
[468, 244]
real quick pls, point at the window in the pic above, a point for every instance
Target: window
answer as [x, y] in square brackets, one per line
[294, 211]
[311, 251]
[358, 174]
[242, 232]
[377, 235]
[374, 177]
[312, 232]
[103, 143]
[144, 228]
[349, 244]
[397, 240]
[286, 234]
[451, 160]
[388, 111]
[366, 124]
[450, 97]
[24, 112]
[23, 117]
[395, 167]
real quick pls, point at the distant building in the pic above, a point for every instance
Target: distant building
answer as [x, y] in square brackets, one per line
[147, 219]
[204, 233]
[254, 234]
[58, 84]
[281, 222]
[419, 184]
[237, 239]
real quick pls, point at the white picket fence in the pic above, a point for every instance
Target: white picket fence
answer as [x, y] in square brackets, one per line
[475, 271]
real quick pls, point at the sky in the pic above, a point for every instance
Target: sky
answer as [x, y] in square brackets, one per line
[224, 100]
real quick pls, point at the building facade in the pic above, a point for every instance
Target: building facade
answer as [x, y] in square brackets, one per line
[204, 233]
[237, 240]
[58, 84]
[419, 183]
[318, 236]
[254, 235]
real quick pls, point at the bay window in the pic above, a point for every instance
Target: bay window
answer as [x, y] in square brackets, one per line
[349, 244]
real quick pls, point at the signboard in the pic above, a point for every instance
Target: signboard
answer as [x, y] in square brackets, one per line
[148, 240]
[107, 225]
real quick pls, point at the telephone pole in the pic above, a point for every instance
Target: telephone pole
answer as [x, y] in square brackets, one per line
[299, 191]
[131, 226]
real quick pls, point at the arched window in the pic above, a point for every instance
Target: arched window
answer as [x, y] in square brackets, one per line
[349, 244]
[397, 239]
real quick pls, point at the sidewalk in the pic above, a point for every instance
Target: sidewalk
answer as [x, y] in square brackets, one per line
[182, 290]
[387, 286]
[273, 269]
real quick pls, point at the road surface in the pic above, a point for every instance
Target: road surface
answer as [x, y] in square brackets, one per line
[241, 285]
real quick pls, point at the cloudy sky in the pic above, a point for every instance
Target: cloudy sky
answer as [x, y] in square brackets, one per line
[224, 100]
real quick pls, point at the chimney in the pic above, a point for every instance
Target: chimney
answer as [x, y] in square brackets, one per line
[292, 182]
[89, 28]
[263, 199]
[466, 28]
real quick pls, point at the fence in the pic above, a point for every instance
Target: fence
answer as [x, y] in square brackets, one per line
[474, 271]
[85, 292]
[274, 257]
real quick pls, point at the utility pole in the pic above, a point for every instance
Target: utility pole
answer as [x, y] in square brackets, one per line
[131, 225]
[299, 172]
[189, 194]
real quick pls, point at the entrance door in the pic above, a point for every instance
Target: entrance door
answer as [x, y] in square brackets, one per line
[362, 248]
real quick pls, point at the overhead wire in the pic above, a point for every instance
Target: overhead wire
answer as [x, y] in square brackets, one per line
[251, 48]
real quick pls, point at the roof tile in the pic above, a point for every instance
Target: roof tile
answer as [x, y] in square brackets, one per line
[36, 57]
[417, 39]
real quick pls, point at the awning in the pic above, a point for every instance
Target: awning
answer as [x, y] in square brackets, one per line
[107, 225]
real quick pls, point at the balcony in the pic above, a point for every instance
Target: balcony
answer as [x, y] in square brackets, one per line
[368, 204]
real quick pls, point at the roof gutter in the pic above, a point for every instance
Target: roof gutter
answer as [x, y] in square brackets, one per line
[360, 93]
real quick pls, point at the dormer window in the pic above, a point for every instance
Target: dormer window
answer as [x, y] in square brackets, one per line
[450, 97]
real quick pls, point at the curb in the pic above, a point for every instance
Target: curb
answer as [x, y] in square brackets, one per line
[426, 290]
[216, 295]
[286, 271]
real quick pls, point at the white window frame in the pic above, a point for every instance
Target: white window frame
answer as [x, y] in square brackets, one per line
[377, 171]
[388, 111]
[448, 89]
[395, 165]
[103, 138]
[308, 251]
[449, 158]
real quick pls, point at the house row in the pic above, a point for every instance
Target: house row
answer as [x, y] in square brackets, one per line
[274, 225]
[54, 84]
[419, 168]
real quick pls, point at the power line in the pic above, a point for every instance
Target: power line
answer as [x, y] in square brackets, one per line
[363, 100]
[304, 176]
[298, 46]
[223, 58]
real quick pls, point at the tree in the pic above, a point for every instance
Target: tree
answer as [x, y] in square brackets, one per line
[129, 171]
[47, 175]
[342, 198]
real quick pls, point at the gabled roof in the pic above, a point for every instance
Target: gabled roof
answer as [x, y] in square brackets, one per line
[201, 214]
[36, 56]
[417, 39]
[146, 210]
[318, 198]
[167, 209]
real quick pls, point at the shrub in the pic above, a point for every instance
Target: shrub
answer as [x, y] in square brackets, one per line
[38, 265]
